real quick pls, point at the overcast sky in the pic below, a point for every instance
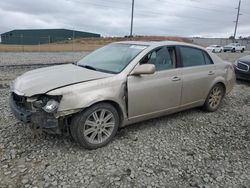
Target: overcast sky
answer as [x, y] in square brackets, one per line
[204, 18]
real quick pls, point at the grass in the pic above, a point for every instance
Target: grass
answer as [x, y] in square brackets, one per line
[83, 44]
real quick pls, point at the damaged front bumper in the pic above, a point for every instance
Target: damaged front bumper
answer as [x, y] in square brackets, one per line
[38, 117]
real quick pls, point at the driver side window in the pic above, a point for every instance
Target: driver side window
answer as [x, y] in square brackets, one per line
[163, 58]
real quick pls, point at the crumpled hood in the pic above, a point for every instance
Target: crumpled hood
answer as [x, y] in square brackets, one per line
[42, 80]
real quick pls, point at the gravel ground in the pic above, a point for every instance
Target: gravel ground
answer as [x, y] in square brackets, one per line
[7, 58]
[187, 149]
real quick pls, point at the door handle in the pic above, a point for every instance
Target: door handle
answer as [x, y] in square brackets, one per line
[176, 78]
[211, 73]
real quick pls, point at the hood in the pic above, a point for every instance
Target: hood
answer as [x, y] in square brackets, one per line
[45, 79]
[245, 59]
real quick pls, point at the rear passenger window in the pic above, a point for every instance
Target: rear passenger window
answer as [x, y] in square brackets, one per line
[191, 57]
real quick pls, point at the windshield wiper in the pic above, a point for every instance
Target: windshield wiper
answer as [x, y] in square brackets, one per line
[96, 69]
[88, 67]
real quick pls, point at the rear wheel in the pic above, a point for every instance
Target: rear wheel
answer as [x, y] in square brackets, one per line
[96, 126]
[214, 98]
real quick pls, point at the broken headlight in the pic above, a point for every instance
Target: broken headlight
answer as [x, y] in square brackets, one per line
[48, 103]
[51, 106]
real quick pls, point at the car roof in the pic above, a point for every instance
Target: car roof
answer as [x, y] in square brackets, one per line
[159, 43]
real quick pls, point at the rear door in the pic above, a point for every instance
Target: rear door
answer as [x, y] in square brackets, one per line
[157, 92]
[198, 73]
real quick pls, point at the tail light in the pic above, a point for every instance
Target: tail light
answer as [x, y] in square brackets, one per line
[231, 66]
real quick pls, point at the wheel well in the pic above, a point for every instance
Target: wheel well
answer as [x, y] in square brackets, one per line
[223, 85]
[117, 107]
[68, 119]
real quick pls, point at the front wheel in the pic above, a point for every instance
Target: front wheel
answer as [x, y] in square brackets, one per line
[214, 98]
[96, 126]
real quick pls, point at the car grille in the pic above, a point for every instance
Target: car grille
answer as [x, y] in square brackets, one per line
[243, 66]
[18, 98]
[21, 101]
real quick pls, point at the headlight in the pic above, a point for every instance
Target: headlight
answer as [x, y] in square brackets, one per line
[51, 106]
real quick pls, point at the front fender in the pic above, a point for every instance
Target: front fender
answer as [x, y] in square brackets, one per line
[80, 96]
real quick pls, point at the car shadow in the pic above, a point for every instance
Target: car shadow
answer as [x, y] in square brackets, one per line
[146, 124]
[243, 82]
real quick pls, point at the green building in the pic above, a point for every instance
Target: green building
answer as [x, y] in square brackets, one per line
[43, 36]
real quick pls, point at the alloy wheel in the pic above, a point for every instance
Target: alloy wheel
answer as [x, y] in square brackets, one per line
[215, 97]
[99, 126]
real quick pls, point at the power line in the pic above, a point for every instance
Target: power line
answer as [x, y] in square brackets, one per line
[99, 5]
[139, 11]
[144, 12]
[216, 4]
[197, 7]
[119, 6]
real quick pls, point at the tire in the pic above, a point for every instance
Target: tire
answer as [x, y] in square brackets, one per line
[214, 98]
[242, 50]
[98, 132]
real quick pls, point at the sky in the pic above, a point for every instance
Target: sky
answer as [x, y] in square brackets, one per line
[187, 18]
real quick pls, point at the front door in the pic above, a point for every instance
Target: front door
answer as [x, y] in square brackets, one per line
[148, 94]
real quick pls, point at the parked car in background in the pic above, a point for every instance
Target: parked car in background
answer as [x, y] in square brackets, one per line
[215, 48]
[242, 68]
[120, 84]
[234, 47]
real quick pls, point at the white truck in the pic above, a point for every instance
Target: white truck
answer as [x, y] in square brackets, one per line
[234, 47]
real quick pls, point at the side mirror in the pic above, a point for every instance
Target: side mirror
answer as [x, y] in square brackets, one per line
[144, 69]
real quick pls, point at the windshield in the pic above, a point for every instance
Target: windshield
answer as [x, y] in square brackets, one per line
[112, 58]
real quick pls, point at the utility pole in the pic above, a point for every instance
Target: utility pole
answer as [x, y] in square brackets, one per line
[237, 19]
[132, 19]
[73, 40]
